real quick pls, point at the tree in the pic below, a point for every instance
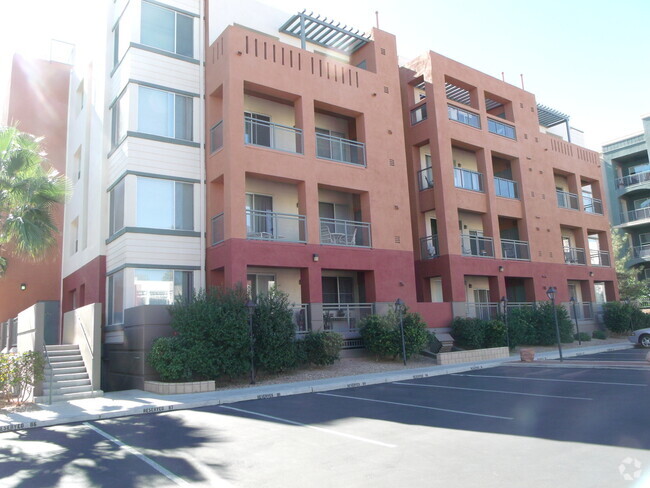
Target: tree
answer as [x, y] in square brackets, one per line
[28, 192]
[629, 285]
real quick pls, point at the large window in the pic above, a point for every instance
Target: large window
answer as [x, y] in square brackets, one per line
[115, 305]
[165, 114]
[166, 29]
[259, 284]
[161, 286]
[338, 289]
[119, 119]
[165, 204]
[116, 213]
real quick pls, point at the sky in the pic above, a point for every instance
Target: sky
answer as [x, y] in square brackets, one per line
[589, 59]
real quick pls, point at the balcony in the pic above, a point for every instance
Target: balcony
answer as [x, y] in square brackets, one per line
[592, 205]
[515, 250]
[265, 225]
[216, 137]
[217, 229]
[631, 180]
[641, 252]
[300, 318]
[273, 136]
[506, 188]
[482, 310]
[419, 114]
[468, 180]
[633, 215]
[344, 318]
[429, 247]
[340, 150]
[501, 129]
[336, 232]
[567, 200]
[425, 178]
[463, 116]
[472, 245]
[583, 310]
[574, 255]
[599, 258]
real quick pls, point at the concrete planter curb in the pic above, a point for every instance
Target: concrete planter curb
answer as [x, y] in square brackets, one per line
[164, 388]
[458, 357]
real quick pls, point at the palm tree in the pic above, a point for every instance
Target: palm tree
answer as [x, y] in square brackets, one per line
[28, 193]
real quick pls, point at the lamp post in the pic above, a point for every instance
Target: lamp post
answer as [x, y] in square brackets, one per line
[250, 306]
[629, 311]
[504, 301]
[399, 308]
[575, 316]
[550, 293]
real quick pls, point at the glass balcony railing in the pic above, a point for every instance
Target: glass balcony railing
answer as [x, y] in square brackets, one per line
[638, 214]
[506, 188]
[515, 250]
[341, 150]
[482, 310]
[336, 232]
[634, 179]
[468, 180]
[425, 178]
[216, 137]
[592, 205]
[429, 247]
[501, 129]
[274, 136]
[419, 114]
[574, 255]
[274, 226]
[641, 252]
[344, 318]
[599, 258]
[217, 229]
[472, 245]
[567, 200]
[463, 116]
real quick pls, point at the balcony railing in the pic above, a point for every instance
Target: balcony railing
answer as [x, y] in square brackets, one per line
[301, 318]
[482, 310]
[468, 180]
[514, 305]
[472, 245]
[217, 229]
[344, 318]
[592, 205]
[429, 247]
[634, 179]
[501, 129]
[274, 136]
[425, 178]
[567, 200]
[641, 252]
[599, 258]
[506, 188]
[419, 114]
[638, 214]
[216, 137]
[463, 116]
[584, 310]
[515, 250]
[341, 150]
[336, 232]
[274, 226]
[574, 255]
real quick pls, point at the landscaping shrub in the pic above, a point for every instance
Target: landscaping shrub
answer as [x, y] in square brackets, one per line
[274, 329]
[618, 317]
[468, 333]
[599, 334]
[495, 334]
[168, 358]
[322, 348]
[545, 324]
[582, 336]
[19, 373]
[521, 326]
[382, 336]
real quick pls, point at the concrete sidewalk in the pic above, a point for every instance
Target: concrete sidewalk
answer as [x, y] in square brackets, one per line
[137, 402]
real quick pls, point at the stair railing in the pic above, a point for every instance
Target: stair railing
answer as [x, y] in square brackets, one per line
[49, 363]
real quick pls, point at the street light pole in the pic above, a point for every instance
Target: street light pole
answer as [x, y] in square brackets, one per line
[399, 308]
[504, 301]
[250, 306]
[575, 316]
[550, 293]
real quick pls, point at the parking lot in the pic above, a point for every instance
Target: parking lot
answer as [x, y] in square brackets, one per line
[506, 426]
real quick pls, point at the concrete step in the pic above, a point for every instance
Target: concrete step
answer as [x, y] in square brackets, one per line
[67, 364]
[60, 359]
[66, 369]
[64, 390]
[79, 375]
[63, 352]
[68, 396]
[61, 347]
[66, 383]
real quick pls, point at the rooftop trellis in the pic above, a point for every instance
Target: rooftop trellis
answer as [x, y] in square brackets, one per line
[326, 33]
[549, 117]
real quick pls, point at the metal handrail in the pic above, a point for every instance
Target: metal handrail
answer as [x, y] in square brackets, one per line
[295, 146]
[567, 199]
[599, 258]
[472, 245]
[468, 180]
[353, 147]
[429, 247]
[506, 188]
[592, 205]
[49, 363]
[271, 230]
[574, 255]
[501, 129]
[425, 178]
[634, 179]
[216, 236]
[331, 232]
[520, 248]
[638, 214]
[83, 329]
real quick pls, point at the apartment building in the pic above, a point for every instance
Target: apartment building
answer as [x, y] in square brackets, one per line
[503, 205]
[627, 172]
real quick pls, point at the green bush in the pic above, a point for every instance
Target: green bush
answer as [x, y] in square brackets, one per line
[382, 335]
[321, 348]
[19, 373]
[618, 317]
[468, 333]
[521, 326]
[495, 334]
[582, 336]
[275, 331]
[599, 334]
[168, 358]
[545, 324]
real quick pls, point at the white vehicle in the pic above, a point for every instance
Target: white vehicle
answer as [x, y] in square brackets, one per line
[641, 336]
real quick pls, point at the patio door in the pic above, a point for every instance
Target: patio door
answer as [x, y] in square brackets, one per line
[259, 284]
[482, 300]
[258, 129]
[259, 215]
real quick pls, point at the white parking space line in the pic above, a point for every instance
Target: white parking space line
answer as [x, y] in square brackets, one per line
[168, 474]
[493, 391]
[462, 412]
[320, 429]
[550, 379]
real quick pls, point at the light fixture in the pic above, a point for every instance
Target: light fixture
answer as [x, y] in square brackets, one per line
[23, 286]
[501, 269]
[550, 293]
[591, 273]
[315, 257]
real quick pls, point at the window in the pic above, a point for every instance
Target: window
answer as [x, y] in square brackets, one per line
[161, 286]
[165, 29]
[463, 116]
[74, 234]
[115, 305]
[338, 289]
[259, 284]
[119, 119]
[164, 114]
[501, 129]
[259, 215]
[257, 129]
[116, 45]
[165, 204]
[116, 212]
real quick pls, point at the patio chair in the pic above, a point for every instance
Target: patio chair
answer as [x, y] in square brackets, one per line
[325, 235]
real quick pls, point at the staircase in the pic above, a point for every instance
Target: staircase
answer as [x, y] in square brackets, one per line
[68, 375]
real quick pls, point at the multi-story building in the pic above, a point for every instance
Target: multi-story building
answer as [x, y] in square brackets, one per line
[627, 171]
[502, 205]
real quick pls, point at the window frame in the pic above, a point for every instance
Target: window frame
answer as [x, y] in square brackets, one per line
[184, 226]
[175, 29]
[174, 122]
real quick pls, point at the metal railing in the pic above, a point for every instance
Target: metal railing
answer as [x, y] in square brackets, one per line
[51, 378]
[463, 116]
[418, 114]
[584, 310]
[468, 180]
[274, 136]
[566, 199]
[275, 226]
[574, 255]
[341, 150]
[641, 252]
[599, 258]
[216, 137]
[506, 188]
[344, 318]
[638, 214]
[501, 129]
[336, 232]
[592, 205]
[634, 179]
[429, 247]
[425, 178]
[301, 318]
[482, 310]
[516, 305]
[515, 250]
[217, 229]
[472, 245]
